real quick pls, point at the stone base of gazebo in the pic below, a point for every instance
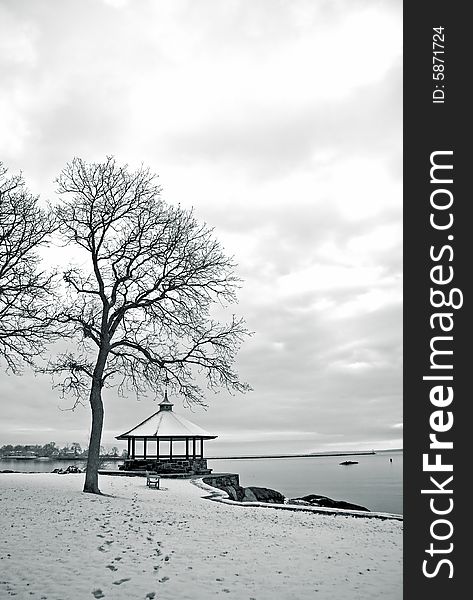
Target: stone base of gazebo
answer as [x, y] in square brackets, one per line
[188, 466]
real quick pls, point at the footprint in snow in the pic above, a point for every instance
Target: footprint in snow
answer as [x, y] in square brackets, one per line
[98, 594]
[112, 567]
[120, 581]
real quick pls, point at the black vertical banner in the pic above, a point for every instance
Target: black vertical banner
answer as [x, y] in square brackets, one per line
[438, 248]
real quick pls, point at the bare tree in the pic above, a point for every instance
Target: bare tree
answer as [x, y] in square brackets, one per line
[25, 290]
[139, 305]
[76, 447]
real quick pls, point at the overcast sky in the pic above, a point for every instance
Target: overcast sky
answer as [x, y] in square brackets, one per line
[279, 121]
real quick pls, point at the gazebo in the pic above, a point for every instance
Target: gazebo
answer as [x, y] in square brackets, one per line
[166, 443]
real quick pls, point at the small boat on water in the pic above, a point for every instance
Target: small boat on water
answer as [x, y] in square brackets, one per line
[349, 462]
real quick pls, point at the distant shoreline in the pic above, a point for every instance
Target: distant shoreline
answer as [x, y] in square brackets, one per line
[307, 455]
[58, 458]
[235, 457]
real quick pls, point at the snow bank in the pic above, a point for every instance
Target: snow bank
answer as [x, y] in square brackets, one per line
[173, 544]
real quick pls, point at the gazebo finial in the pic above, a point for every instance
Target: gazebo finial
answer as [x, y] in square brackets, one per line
[166, 404]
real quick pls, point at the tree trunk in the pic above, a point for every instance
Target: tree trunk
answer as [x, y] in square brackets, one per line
[91, 484]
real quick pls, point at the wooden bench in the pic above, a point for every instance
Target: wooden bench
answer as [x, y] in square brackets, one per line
[152, 479]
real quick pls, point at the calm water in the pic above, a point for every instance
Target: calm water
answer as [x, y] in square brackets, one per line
[374, 482]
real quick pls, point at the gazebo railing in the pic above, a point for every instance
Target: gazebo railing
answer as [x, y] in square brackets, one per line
[152, 448]
[147, 456]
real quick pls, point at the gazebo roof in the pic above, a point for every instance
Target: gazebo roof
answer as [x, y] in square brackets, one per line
[166, 424]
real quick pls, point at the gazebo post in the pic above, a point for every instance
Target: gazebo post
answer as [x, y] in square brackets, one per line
[133, 448]
[129, 447]
[201, 447]
[145, 441]
[157, 448]
[170, 448]
[187, 448]
[193, 448]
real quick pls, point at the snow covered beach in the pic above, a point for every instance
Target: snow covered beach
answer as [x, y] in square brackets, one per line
[174, 544]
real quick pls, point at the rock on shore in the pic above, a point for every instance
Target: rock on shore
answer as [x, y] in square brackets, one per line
[315, 500]
[253, 494]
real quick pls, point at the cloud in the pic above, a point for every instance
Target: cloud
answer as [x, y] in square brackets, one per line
[280, 123]
[274, 140]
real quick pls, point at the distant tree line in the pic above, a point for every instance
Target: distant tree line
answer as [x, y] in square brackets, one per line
[51, 450]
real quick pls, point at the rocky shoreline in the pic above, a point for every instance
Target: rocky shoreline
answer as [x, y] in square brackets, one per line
[230, 484]
[325, 502]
